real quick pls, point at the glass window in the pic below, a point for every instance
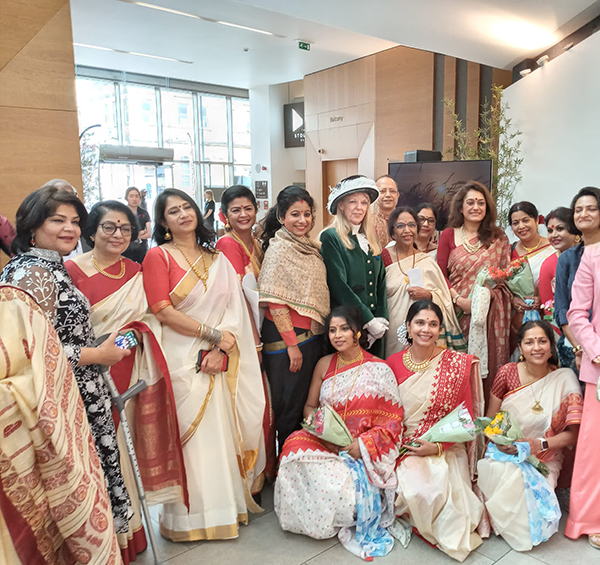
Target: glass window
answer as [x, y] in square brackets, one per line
[96, 104]
[178, 123]
[214, 142]
[241, 175]
[214, 120]
[139, 115]
[219, 153]
[216, 176]
[240, 121]
[241, 155]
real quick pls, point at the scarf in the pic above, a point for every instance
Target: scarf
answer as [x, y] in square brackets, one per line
[293, 274]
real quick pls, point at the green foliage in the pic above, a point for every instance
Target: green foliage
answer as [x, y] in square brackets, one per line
[494, 139]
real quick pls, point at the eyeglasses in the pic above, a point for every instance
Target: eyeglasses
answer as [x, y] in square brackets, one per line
[423, 220]
[401, 226]
[109, 228]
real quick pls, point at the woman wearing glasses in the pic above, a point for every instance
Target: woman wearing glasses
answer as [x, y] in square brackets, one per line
[427, 217]
[114, 287]
[48, 228]
[412, 275]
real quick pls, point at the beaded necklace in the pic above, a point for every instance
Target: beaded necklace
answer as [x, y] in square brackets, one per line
[202, 276]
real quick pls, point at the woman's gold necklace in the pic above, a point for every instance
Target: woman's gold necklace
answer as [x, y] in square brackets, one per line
[415, 367]
[537, 408]
[337, 363]
[406, 279]
[471, 248]
[250, 255]
[202, 276]
[530, 249]
[103, 272]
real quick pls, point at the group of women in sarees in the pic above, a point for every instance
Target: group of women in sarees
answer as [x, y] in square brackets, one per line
[240, 341]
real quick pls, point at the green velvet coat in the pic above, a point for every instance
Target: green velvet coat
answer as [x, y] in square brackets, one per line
[355, 279]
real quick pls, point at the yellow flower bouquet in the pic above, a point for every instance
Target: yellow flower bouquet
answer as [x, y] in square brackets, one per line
[503, 429]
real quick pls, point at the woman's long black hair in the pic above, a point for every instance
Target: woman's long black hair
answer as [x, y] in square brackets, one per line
[354, 318]
[203, 234]
[286, 198]
[548, 330]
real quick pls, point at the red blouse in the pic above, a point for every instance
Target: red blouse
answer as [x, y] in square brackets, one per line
[98, 287]
[547, 274]
[234, 252]
[160, 278]
[506, 380]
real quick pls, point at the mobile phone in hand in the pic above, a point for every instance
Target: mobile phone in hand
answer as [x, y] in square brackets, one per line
[126, 340]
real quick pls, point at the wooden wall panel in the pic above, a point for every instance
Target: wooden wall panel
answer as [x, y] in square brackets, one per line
[41, 74]
[502, 77]
[404, 105]
[334, 172]
[20, 21]
[450, 93]
[38, 110]
[473, 88]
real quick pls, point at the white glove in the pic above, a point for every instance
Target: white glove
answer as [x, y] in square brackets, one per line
[377, 328]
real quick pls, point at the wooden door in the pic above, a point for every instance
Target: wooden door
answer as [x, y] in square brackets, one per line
[334, 172]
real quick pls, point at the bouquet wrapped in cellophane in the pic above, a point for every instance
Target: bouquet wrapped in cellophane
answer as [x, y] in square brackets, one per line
[455, 427]
[519, 278]
[503, 429]
[327, 424]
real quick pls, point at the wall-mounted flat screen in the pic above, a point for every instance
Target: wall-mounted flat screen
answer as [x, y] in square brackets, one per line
[437, 182]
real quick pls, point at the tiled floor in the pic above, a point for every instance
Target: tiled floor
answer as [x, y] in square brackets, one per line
[263, 542]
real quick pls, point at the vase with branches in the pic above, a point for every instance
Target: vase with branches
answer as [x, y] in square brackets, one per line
[495, 139]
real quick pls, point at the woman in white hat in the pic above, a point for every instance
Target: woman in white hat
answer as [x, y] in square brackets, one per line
[352, 255]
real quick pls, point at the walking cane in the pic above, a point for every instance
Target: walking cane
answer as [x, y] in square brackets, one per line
[119, 401]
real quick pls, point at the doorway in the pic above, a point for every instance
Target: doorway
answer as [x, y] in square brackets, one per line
[334, 172]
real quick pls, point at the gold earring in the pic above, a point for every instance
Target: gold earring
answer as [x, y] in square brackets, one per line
[168, 236]
[577, 238]
[227, 225]
[408, 334]
[358, 334]
[521, 358]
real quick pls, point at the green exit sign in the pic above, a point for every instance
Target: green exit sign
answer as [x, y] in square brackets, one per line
[304, 45]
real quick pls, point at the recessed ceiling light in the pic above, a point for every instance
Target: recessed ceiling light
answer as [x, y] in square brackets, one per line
[131, 53]
[195, 16]
[522, 34]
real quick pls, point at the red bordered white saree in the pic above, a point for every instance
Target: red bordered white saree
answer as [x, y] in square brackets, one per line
[435, 493]
[315, 493]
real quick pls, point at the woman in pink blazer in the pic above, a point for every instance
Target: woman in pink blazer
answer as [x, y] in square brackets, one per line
[584, 514]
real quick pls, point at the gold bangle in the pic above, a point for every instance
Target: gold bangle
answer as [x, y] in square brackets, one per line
[577, 349]
[259, 346]
[439, 446]
[199, 330]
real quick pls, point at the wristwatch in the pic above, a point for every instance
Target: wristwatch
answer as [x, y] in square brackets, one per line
[544, 444]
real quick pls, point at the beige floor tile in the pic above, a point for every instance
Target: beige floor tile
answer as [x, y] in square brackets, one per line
[166, 548]
[417, 553]
[516, 558]
[261, 543]
[493, 547]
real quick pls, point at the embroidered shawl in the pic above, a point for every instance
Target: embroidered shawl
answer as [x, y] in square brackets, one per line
[293, 273]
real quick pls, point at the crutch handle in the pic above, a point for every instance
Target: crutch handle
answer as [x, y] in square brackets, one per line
[133, 390]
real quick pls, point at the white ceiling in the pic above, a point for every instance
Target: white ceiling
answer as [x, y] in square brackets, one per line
[339, 31]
